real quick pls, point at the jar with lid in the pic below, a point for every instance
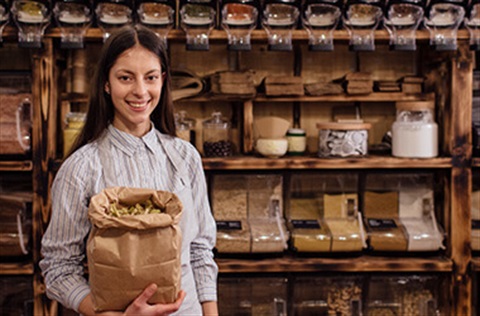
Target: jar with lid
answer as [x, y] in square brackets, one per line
[217, 137]
[185, 127]
[414, 132]
[297, 141]
[75, 122]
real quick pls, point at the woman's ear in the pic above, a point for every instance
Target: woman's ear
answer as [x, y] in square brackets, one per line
[107, 88]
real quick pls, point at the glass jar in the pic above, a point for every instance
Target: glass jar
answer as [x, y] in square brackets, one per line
[217, 137]
[297, 141]
[185, 127]
[75, 122]
[415, 133]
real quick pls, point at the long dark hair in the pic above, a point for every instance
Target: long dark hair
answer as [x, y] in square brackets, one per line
[100, 106]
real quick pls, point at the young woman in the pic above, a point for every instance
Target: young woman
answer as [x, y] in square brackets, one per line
[129, 140]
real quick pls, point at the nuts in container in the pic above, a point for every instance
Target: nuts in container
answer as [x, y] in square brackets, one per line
[216, 137]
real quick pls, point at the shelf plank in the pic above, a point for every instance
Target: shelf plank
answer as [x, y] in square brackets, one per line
[372, 97]
[476, 263]
[476, 162]
[355, 264]
[372, 162]
[16, 268]
[25, 165]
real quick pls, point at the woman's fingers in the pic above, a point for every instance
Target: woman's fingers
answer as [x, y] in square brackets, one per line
[146, 294]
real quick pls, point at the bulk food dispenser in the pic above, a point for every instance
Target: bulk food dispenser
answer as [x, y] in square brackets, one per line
[4, 18]
[402, 19]
[442, 19]
[158, 15]
[32, 18]
[113, 14]
[239, 19]
[197, 19]
[73, 17]
[472, 23]
[320, 18]
[361, 18]
[280, 18]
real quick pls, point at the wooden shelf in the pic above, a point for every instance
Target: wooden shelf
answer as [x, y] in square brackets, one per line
[16, 268]
[372, 97]
[476, 162]
[25, 165]
[372, 162]
[355, 264]
[476, 263]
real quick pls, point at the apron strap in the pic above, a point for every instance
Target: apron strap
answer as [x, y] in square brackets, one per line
[109, 174]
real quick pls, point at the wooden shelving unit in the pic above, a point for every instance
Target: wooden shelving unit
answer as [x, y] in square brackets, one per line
[356, 264]
[454, 163]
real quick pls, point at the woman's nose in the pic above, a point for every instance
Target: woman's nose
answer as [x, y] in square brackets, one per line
[140, 87]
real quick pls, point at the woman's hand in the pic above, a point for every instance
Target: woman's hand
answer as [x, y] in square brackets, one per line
[140, 305]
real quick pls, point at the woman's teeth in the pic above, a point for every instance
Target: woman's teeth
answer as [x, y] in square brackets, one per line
[137, 105]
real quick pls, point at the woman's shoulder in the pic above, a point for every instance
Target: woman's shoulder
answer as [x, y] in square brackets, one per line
[83, 158]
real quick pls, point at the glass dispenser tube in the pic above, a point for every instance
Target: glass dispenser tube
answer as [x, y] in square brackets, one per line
[442, 19]
[113, 14]
[158, 15]
[320, 19]
[361, 18]
[197, 19]
[31, 18]
[73, 17]
[279, 19]
[472, 23]
[239, 19]
[402, 18]
[4, 18]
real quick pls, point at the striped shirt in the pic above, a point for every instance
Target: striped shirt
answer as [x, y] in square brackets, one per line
[144, 162]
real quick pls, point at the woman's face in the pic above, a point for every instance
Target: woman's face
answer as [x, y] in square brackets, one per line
[135, 85]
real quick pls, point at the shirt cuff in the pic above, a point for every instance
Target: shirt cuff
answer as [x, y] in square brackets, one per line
[207, 294]
[76, 296]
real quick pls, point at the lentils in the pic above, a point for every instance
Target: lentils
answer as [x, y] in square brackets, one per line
[222, 148]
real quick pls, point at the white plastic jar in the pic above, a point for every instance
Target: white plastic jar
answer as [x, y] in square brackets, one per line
[415, 133]
[297, 141]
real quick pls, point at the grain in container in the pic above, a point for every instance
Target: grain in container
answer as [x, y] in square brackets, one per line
[342, 139]
[414, 132]
[217, 137]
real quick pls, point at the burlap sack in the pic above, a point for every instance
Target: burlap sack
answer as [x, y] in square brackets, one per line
[127, 253]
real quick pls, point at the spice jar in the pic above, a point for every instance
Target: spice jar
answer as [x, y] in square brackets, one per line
[75, 122]
[414, 133]
[216, 137]
[297, 141]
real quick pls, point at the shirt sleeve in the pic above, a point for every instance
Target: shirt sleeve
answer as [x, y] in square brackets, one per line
[63, 244]
[205, 269]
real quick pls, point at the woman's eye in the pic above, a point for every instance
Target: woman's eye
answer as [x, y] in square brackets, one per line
[152, 78]
[124, 78]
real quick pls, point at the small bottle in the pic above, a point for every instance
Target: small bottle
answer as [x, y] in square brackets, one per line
[75, 122]
[297, 141]
[185, 127]
[217, 137]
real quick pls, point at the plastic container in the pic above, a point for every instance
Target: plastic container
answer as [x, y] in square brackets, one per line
[297, 141]
[75, 123]
[342, 139]
[15, 124]
[217, 137]
[414, 132]
[327, 295]
[15, 228]
[405, 295]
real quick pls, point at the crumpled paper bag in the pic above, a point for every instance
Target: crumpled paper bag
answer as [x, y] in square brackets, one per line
[127, 253]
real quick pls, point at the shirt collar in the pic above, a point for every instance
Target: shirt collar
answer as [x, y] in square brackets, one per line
[128, 143]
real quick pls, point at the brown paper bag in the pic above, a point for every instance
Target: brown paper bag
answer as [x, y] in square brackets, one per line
[127, 253]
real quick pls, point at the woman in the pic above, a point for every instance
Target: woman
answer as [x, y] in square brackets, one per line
[121, 146]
